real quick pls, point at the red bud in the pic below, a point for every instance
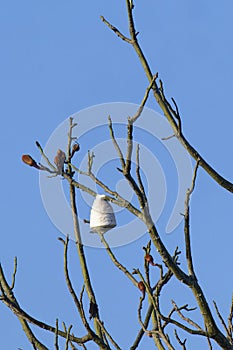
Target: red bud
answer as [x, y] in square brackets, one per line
[142, 288]
[149, 259]
[27, 159]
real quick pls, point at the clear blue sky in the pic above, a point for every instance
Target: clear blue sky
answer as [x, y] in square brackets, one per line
[57, 58]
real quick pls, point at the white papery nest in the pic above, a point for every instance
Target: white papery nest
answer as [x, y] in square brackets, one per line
[102, 218]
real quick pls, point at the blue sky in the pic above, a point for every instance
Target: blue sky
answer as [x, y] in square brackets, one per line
[58, 58]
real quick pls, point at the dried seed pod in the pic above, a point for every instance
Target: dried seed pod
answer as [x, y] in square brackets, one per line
[142, 288]
[27, 159]
[93, 310]
[149, 258]
[59, 160]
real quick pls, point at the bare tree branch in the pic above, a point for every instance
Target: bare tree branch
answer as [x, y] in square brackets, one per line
[115, 30]
[117, 147]
[145, 325]
[141, 186]
[71, 138]
[14, 274]
[186, 224]
[72, 291]
[177, 116]
[208, 340]
[182, 343]
[9, 299]
[230, 318]
[118, 200]
[79, 245]
[147, 250]
[108, 335]
[221, 319]
[143, 103]
[52, 169]
[126, 164]
[169, 320]
[187, 319]
[116, 261]
[150, 333]
[19, 312]
[56, 336]
[163, 105]
[160, 322]
[127, 168]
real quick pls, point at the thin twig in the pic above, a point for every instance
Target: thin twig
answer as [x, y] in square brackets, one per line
[117, 147]
[70, 138]
[127, 167]
[177, 116]
[155, 333]
[140, 316]
[145, 325]
[81, 295]
[182, 343]
[169, 320]
[186, 223]
[138, 173]
[116, 262]
[143, 103]
[14, 274]
[148, 288]
[91, 157]
[46, 159]
[71, 289]
[187, 319]
[74, 348]
[221, 319]
[147, 250]
[108, 335]
[56, 336]
[168, 137]
[126, 164]
[115, 30]
[68, 338]
[164, 278]
[230, 326]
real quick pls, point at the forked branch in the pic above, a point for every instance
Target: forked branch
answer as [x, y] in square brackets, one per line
[164, 105]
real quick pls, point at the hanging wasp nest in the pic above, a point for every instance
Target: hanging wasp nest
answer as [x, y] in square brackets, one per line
[102, 217]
